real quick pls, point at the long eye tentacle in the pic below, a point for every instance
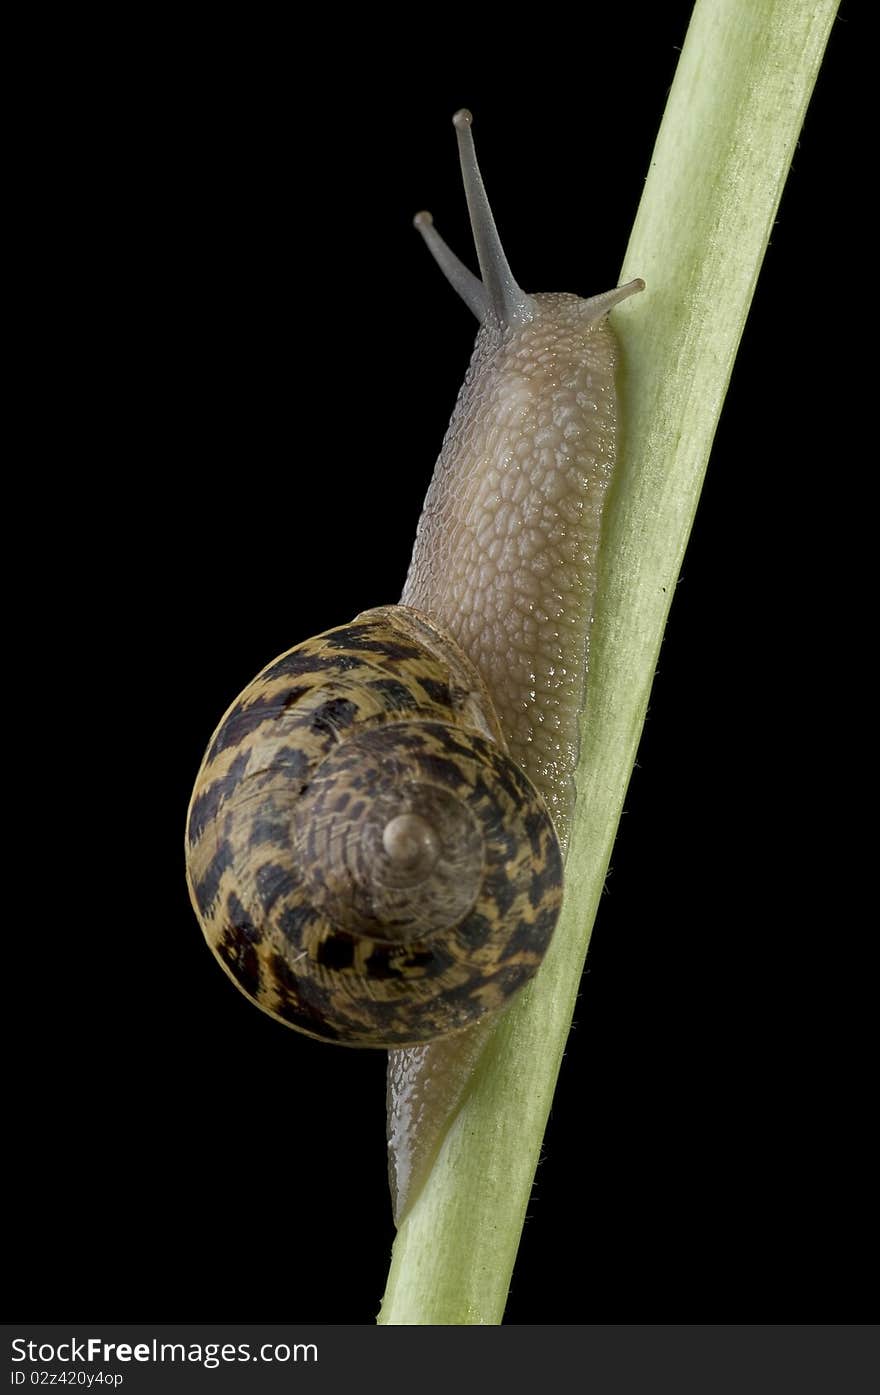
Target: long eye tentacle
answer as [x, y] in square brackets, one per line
[498, 293]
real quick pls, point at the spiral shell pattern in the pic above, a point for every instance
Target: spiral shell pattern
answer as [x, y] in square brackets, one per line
[366, 861]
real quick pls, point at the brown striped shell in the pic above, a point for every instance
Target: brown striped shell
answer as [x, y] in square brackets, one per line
[366, 861]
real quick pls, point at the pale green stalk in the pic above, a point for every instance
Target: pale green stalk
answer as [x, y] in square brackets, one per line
[743, 82]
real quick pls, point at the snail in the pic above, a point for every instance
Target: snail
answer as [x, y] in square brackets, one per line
[389, 894]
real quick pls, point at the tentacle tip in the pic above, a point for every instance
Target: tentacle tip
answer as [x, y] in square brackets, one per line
[423, 219]
[462, 118]
[637, 285]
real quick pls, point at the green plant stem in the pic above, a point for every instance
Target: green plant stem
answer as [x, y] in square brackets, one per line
[740, 92]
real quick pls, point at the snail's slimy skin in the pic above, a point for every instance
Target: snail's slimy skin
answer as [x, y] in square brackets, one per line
[505, 560]
[505, 553]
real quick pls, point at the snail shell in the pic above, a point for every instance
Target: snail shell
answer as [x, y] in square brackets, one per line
[365, 859]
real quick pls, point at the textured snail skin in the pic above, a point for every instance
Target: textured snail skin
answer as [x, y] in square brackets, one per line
[505, 559]
[366, 862]
[505, 553]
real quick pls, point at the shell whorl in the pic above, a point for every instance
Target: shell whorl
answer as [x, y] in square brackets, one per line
[365, 859]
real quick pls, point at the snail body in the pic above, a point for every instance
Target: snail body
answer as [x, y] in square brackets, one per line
[505, 555]
[506, 550]
[367, 863]
[506, 560]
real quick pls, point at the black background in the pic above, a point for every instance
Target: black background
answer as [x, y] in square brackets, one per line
[249, 362]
